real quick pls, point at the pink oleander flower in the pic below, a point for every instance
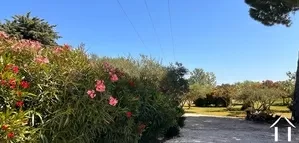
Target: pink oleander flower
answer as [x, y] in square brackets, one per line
[58, 50]
[112, 70]
[3, 35]
[35, 45]
[24, 84]
[91, 93]
[15, 69]
[112, 101]
[113, 78]
[3, 82]
[12, 67]
[42, 60]
[10, 135]
[106, 65]
[19, 103]
[100, 86]
[12, 83]
[66, 47]
[4, 127]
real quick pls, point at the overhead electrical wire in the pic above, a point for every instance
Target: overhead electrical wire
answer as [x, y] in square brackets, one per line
[140, 38]
[153, 25]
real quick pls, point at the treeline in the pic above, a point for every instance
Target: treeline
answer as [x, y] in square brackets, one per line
[260, 96]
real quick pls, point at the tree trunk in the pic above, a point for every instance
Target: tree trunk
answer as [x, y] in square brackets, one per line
[189, 104]
[295, 112]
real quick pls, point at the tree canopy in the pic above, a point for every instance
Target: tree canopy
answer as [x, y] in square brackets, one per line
[199, 76]
[31, 28]
[271, 12]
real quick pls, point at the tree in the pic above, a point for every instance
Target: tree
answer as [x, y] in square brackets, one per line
[226, 92]
[259, 96]
[196, 91]
[201, 77]
[31, 28]
[288, 86]
[174, 83]
[271, 12]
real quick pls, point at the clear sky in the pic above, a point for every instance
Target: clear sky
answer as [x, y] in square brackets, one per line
[216, 35]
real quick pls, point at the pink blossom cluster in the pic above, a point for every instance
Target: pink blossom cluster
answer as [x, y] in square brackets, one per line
[27, 45]
[3, 35]
[112, 72]
[100, 87]
[59, 50]
[41, 59]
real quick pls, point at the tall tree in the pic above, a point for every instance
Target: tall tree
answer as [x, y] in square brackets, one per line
[269, 13]
[199, 76]
[174, 82]
[295, 106]
[31, 28]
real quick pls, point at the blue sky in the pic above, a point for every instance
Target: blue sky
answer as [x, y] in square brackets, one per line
[218, 36]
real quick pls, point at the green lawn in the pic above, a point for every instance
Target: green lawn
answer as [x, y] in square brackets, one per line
[234, 112]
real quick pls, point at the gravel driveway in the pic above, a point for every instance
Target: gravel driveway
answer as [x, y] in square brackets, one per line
[229, 130]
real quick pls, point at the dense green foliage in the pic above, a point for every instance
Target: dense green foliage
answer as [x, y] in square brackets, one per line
[270, 12]
[260, 95]
[30, 28]
[226, 92]
[201, 83]
[199, 76]
[210, 101]
[61, 94]
[197, 91]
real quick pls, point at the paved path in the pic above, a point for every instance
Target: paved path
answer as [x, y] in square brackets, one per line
[229, 130]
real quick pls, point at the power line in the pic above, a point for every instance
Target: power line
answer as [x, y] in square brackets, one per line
[171, 30]
[150, 16]
[132, 24]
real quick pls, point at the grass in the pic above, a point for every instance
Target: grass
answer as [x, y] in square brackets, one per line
[235, 111]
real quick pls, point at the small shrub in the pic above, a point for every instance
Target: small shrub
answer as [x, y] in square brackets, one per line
[200, 102]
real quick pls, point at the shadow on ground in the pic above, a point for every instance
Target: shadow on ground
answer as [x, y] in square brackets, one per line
[225, 130]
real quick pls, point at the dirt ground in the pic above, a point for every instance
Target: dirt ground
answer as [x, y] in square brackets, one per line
[230, 130]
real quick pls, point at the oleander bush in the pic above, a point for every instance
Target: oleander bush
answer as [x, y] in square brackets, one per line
[61, 94]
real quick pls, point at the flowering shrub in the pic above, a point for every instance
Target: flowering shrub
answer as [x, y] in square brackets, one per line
[58, 94]
[14, 120]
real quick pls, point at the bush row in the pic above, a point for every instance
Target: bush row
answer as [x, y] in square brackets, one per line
[61, 94]
[210, 100]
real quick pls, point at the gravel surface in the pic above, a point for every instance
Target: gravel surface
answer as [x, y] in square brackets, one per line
[230, 130]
